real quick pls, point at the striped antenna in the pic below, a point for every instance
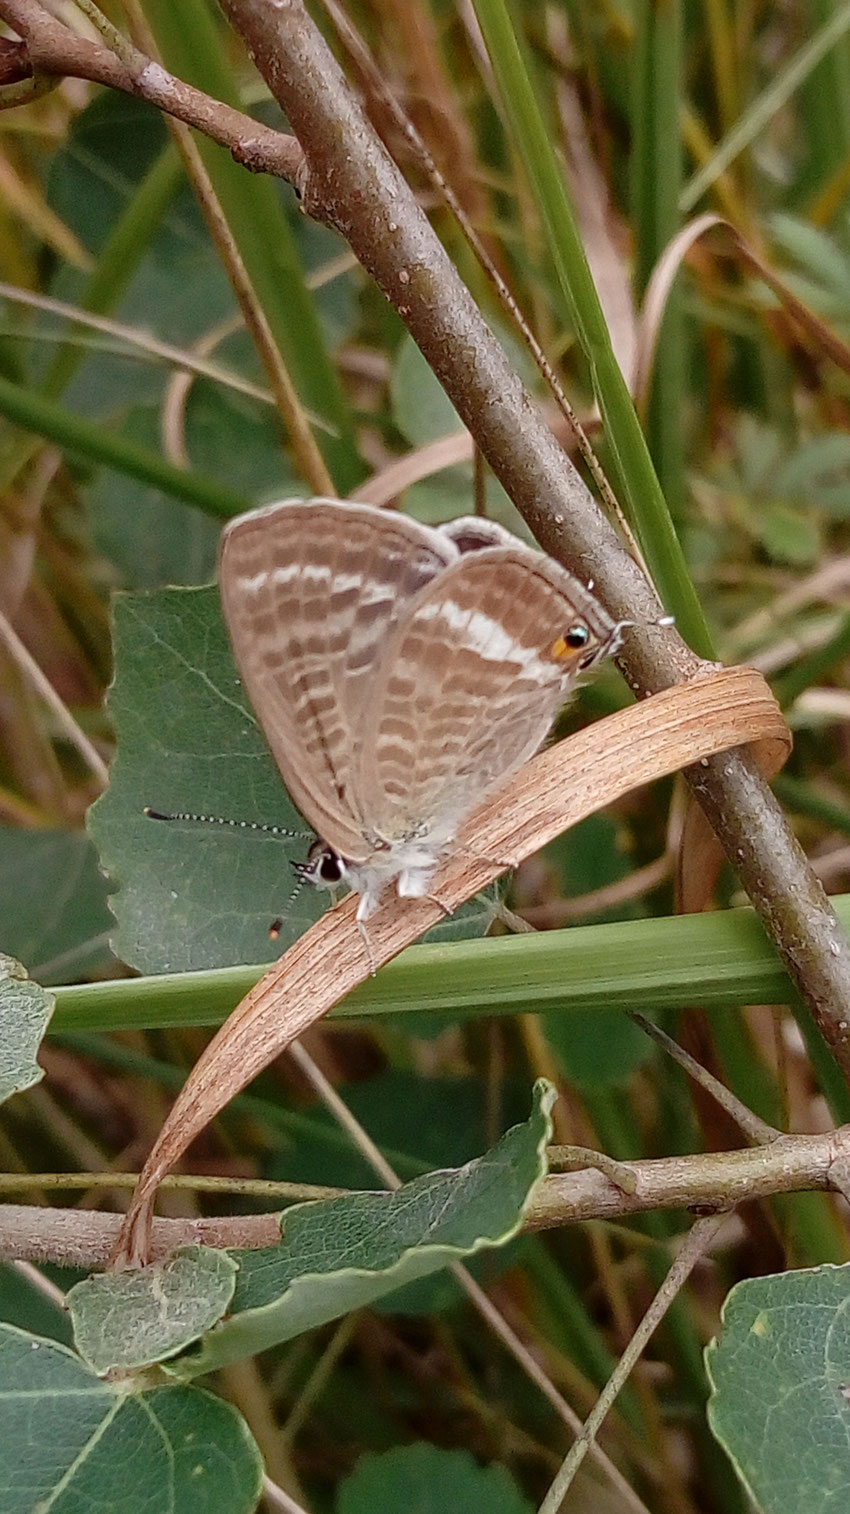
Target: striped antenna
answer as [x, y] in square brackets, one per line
[282, 831]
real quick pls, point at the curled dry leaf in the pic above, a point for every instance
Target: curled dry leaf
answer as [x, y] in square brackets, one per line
[724, 708]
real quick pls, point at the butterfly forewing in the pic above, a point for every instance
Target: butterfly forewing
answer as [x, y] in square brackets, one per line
[312, 591]
[469, 686]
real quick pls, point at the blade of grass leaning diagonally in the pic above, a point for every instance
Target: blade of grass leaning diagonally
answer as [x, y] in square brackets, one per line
[97, 443]
[656, 174]
[635, 477]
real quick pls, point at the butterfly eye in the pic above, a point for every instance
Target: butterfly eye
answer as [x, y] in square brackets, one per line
[330, 869]
[573, 639]
[577, 636]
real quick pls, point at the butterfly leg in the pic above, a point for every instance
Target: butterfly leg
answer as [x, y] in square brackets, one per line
[365, 908]
[413, 884]
[364, 936]
[440, 903]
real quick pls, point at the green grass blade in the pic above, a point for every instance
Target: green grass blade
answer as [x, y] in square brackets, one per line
[126, 246]
[98, 445]
[656, 167]
[634, 476]
[718, 960]
[765, 106]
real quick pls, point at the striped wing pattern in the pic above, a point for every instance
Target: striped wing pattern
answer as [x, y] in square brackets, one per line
[468, 688]
[312, 593]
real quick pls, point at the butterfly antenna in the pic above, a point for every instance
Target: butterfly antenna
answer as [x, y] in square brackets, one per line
[283, 831]
[299, 884]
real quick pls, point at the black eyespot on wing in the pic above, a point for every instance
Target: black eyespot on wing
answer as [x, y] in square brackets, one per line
[577, 635]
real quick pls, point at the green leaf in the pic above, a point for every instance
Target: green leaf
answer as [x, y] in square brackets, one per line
[53, 906]
[453, 1117]
[818, 473]
[788, 535]
[429, 1480]
[780, 1377]
[24, 1303]
[345, 1253]
[177, 286]
[422, 410]
[818, 254]
[590, 856]
[196, 48]
[109, 148]
[25, 1011]
[70, 1442]
[146, 535]
[191, 895]
[597, 1048]
[130, 1319]
[148, 538]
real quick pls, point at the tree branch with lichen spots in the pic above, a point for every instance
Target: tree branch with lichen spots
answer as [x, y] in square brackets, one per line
[48, 47]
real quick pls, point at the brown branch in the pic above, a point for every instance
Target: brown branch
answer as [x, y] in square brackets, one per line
[702, 1182]
[15, 65]
[49, 47]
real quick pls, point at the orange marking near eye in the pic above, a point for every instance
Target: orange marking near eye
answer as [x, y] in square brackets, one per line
[559, 648]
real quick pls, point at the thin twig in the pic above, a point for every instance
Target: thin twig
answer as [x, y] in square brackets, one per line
[62, 715]
[757, 1129]
[53, 49]
[696, 1244]
[610, 896]
[196, 1182]
[700, 1181]
[278, 1499]
[43, 1285]
[187, 359]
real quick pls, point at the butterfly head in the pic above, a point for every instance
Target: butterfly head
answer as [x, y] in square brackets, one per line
[321, 868]
[580, 646]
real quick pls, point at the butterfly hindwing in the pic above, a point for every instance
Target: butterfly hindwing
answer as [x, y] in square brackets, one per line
[469, 686]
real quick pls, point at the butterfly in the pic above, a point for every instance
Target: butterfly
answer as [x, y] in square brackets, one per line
[399, 672]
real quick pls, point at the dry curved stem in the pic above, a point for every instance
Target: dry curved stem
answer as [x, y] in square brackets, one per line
[558, 912]
[664, 276]
[556, 789]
